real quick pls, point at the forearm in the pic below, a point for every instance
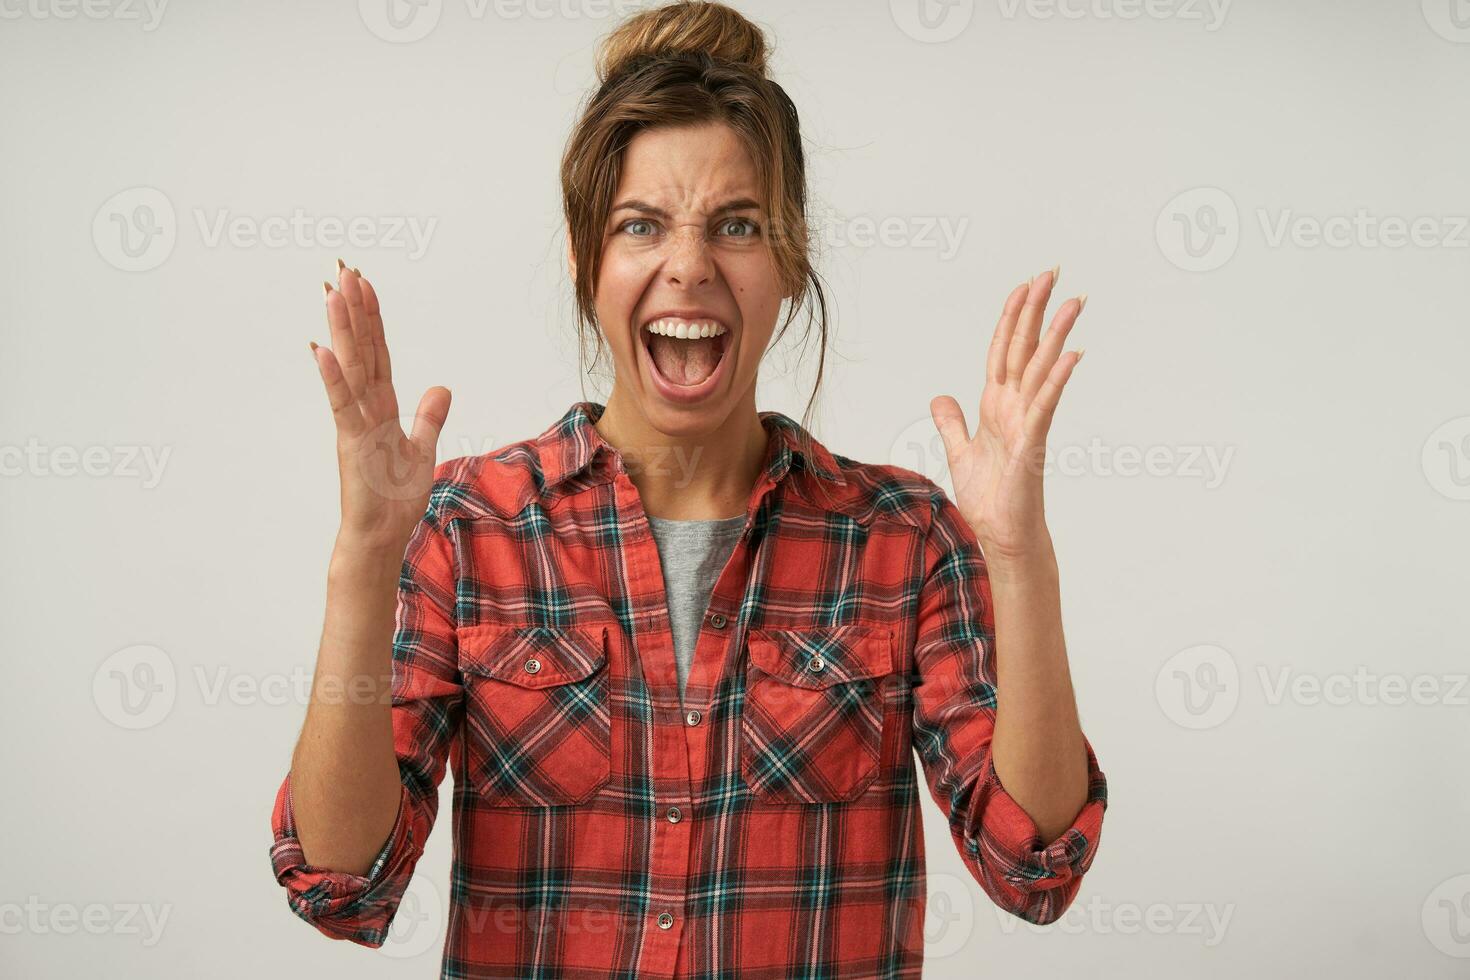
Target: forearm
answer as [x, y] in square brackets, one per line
[345, 786]
[1038, 748]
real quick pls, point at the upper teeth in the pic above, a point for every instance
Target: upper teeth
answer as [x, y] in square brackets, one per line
[687, 329]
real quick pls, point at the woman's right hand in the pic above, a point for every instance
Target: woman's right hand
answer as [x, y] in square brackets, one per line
[385, 474]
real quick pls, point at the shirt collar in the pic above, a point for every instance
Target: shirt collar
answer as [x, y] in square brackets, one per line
[572, 443]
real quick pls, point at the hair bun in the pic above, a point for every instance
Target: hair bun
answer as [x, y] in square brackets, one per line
[690, 26]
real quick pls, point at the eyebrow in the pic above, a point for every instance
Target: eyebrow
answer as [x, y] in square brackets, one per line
[633, 204]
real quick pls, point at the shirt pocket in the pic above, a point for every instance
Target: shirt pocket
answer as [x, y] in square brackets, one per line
[537, 713]
[813, 719]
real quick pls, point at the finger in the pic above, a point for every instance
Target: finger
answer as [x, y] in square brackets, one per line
[344, 345]
[1000, 341]
[362, 339]
[949, 419]
[1028, 326]
[428, 421]
[384, 368]
[1046, 355]
[1043, 408]
[345, 412]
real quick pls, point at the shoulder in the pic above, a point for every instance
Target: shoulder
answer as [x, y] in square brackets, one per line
[502, 482]
[878, 492]
[497, 483]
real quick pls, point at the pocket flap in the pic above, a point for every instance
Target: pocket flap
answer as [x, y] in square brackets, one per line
[532, 656]
[820, 657]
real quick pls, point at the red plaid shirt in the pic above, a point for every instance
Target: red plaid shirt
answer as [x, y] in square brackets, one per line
[769, 827]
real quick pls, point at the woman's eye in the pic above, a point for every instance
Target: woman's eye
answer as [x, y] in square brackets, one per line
[751, 228]
[634, 223]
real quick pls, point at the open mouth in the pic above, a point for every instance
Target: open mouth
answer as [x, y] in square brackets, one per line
[685, 356]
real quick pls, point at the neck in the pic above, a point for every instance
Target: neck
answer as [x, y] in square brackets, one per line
[693, 475]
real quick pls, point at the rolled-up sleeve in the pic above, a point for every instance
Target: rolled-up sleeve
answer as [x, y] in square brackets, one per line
[954, 703]
[427, 705]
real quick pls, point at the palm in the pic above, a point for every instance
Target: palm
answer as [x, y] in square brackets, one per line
[386, 474]
[997, 471]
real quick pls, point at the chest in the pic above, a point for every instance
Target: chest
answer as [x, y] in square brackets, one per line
[798, 693]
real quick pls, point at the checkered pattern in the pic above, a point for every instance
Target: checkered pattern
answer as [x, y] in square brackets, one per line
[769, 826]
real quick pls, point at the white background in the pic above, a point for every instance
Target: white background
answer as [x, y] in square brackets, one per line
[1174, 159]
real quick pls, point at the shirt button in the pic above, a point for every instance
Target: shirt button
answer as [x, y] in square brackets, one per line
[533, 665]
[665, 920]
[692, 718]
[717, 621]
[817, 664]
[674, 815]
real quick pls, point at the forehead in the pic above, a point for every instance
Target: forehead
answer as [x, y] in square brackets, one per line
[691, 167]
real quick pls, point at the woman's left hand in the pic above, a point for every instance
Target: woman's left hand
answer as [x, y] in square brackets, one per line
[997, 473]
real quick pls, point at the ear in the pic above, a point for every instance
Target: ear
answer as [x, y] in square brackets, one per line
[571, 255]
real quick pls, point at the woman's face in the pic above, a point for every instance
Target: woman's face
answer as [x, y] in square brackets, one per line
[688, 296]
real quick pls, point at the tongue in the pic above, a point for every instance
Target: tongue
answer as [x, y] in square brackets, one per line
[684, 362]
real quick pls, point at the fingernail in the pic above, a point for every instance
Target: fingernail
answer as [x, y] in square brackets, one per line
[1081, 302]
[1056, 273]
[341, 265]
[1080, 352]
[357, 272]
[313, 349]
[327, 286]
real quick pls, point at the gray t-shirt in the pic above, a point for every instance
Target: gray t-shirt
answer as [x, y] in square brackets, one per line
[692, 553]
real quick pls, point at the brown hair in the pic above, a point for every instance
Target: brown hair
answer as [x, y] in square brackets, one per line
[682, 64]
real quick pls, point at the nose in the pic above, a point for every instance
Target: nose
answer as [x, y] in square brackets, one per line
[689, 262]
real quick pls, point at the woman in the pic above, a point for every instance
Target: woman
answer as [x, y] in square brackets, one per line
[679, 652]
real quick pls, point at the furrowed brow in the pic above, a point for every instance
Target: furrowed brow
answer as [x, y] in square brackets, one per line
[643, 207]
